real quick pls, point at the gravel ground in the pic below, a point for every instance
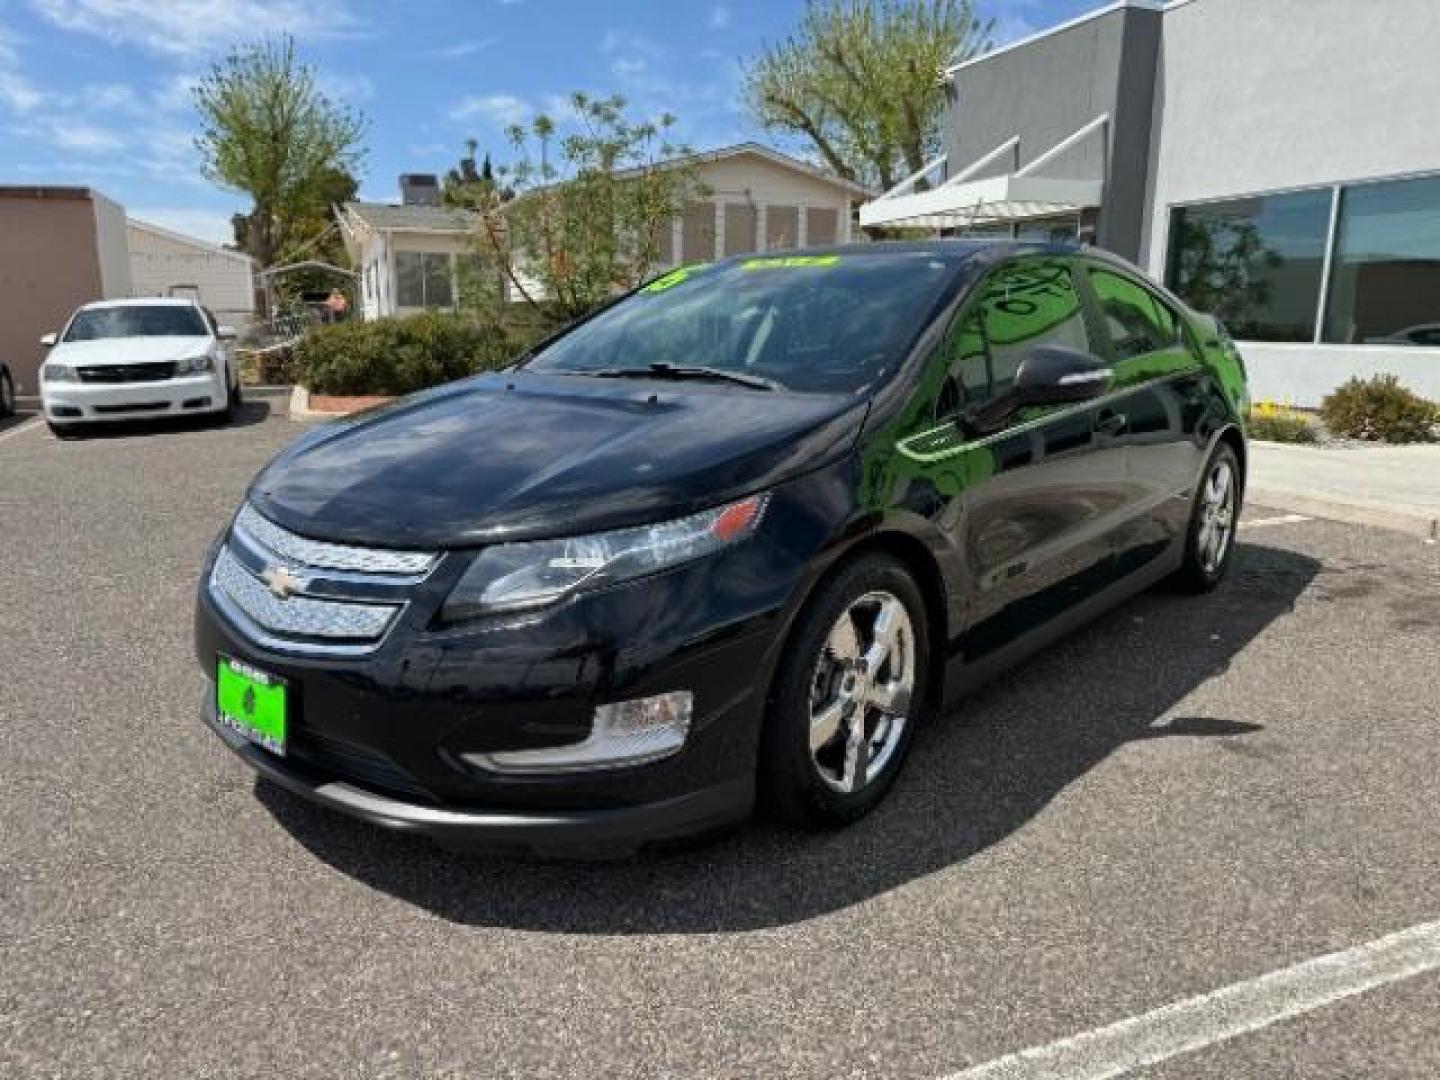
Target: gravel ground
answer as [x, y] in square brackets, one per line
[1190, 793]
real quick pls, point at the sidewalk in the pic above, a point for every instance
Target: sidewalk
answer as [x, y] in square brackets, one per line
[1392, 487]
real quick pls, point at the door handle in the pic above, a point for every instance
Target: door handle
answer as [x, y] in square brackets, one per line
[1112, 423]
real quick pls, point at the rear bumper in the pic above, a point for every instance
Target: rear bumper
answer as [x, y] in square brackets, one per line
[70, 403]
[594, 833]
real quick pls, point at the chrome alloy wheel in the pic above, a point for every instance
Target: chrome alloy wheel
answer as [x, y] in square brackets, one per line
[1217, 516]
[861, 691]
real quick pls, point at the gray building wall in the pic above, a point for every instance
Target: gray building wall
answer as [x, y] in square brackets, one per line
[1264, 95]
[1045, 90]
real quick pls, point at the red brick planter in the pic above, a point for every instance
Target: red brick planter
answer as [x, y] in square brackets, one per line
[327, 403]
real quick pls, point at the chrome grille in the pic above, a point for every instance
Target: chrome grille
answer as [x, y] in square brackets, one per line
[298, 616]
[321, 555]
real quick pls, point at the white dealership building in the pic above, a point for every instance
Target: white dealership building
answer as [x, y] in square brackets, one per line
[1273, 161]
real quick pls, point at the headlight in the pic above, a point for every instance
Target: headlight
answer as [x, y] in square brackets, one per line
[194, 364]
[512, 577]
[58, 373]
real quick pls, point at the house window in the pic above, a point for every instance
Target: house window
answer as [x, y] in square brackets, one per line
[1256, 263]
[698, 234]
[782, 228]
[740, 224]
[423, 279]
[821, 225]
[1385, 284]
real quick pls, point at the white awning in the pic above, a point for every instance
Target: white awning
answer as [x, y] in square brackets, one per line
[966, 200]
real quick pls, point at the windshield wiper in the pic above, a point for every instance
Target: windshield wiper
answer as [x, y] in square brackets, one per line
[664, 370]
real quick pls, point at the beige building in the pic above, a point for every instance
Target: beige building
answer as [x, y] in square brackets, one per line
[60, 247]
[759, 200]
[165, 263]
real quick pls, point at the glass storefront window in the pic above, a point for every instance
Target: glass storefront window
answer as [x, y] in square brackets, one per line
[1256, 263]
[1385, 284]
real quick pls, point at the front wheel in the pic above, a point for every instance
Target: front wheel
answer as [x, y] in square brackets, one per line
[843, 708]
[7, 394]
[233, 399]
[1210, 541]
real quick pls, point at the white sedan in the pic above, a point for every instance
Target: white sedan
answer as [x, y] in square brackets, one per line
[134, 359]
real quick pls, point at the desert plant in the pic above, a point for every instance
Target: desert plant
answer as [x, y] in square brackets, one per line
[1273, 422]
[1380, 409]
[398, 356]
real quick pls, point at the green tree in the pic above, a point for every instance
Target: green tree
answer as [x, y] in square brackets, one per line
[267, 130]
[577, 216]
[861, 81]
[1224, 267]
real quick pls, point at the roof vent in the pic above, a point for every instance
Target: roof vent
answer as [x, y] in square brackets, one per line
[419, 189]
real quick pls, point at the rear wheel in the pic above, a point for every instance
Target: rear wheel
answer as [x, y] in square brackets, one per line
[1210, 542]
[7, 394]
[846, 698]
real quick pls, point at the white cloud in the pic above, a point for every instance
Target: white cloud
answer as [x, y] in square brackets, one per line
[197, 27]
[83, 138]
[465, 48]
[346, 89]
[499, 109]
[17, 93]
[211, 225]
[720, 16]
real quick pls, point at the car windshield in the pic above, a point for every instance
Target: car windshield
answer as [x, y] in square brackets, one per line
[158, 320]
[815, 323]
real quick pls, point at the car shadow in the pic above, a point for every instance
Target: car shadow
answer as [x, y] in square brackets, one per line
[247, 415]
[974, 778]
[15, 419]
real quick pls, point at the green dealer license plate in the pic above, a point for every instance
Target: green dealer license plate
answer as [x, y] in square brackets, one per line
[251, 702]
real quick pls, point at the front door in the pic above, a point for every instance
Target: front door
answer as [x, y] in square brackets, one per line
[1037, 493]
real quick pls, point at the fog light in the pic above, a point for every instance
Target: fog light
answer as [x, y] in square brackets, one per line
[626, 733]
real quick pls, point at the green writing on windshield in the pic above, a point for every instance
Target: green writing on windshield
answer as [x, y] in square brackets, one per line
[789, 262]
[670, 280]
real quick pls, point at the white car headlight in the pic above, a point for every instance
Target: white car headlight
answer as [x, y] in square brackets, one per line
[194, 364]
[513, 577]
[58, 373]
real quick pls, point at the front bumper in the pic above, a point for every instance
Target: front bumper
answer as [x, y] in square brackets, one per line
[70, 403]
[582, 832]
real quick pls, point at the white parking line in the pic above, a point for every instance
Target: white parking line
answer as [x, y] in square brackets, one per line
[1283, 519]
[26, 426]
[1240, 1009]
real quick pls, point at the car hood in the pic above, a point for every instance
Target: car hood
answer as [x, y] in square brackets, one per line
[127, 350]
[526, 456]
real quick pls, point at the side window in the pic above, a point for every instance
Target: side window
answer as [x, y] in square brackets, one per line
[1138, 324]
[1018, 306]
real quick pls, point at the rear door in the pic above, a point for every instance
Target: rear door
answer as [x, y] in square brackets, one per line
[1036, 496]
[1159, 396]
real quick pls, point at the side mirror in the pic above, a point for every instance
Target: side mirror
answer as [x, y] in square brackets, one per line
[1057, 375]
[226, 333]
[49, 339]
[1049, 375]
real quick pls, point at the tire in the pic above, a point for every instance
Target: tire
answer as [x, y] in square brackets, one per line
[809, 771]
[7, 394]
[233, 400]
[1204, 568]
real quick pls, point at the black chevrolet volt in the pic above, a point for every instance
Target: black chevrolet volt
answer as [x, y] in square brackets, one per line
[725, 542]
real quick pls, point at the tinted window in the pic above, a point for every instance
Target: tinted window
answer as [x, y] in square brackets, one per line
[1255, 263]
[169, 320]
[815, 323]
[1137, 323]
[1019, 306]
[1385, 284]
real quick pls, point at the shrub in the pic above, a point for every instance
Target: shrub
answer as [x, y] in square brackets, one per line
[1277, 423]
[399, 356]
[1380, 409]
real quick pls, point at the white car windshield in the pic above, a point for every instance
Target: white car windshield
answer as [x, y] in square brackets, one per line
[159, 320]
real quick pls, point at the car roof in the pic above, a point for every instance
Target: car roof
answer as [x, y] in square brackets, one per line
[143, 301]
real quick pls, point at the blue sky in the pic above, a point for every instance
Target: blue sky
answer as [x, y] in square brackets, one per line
[96, 92]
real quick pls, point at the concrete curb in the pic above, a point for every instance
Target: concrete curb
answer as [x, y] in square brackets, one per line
[1415, 520]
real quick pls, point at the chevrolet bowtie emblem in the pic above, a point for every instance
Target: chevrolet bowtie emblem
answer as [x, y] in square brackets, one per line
[282, 582]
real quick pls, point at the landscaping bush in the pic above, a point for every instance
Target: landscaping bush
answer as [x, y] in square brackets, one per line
[1380, 409]
[1277, 423]
[399, 356]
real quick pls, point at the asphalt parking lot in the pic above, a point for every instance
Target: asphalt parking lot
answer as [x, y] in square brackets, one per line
[1187, 796]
